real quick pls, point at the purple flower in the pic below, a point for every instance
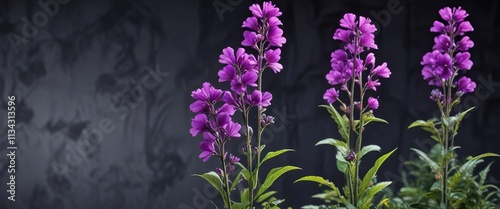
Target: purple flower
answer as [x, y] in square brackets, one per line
[231, 130]
[465, 44]
[233, 159]
[436, 66]
[239, 84]
[251, 39]
[331, 95]
[266, 120]
[438, 27]
[268, 10]
[275, 36]
[382, 71]
[351, 156]
[464, 27]
[199, 124]
[272, 57]
[208, 149]
[219, 172]
[465, 85]
[442, 43]
[251, 23]
[372, 103]
[227, 73]
[455, 14]
[449, 56]
[258, 98]
[462, 61]
[207, 93]
[226, 109]
[436, 95]
[372, 84]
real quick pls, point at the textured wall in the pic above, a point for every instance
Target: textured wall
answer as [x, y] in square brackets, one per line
[103, 89]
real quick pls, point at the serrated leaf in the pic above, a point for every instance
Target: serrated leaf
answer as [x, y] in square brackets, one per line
[340, 145]
[423, 156]
[343, 123]
[265, 196]
[371, 173]
[215, 180]
[368, 148]
[272, 176]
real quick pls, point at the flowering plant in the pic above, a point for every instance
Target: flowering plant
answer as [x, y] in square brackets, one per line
[348, 72]
[443, 68]
[214, 122]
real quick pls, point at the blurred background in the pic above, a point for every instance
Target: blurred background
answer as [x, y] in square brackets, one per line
[103, 91]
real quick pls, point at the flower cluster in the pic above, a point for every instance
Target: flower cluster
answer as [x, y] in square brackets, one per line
[241, 72]
[347, 65]
[263, 34]
[449, 55]
[214, 124]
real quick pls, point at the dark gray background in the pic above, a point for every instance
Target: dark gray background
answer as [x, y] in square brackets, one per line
[70, 74]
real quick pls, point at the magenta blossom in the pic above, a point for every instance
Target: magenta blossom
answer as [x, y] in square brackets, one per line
[331, 95]
[449, 56]
[348, 65]
[466, 85]
[372, 103]
[264, 34]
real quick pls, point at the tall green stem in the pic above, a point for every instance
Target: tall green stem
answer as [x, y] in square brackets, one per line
[360, 135]
[226, 177]
[249, 157]
[447, 110]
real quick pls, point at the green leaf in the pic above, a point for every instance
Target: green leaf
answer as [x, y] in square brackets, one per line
[428, 126]
[241, 205]
[272, 176]
[319, 180]
[244, 195]
[371, 173]
[368, 117]
[368, 148]
[459, 118]
[244, 171]
[423, 156]
[342, 121]
[340, 145]
[488, 154]
[236, 181]
[214, 179]
[338, 197]
[373, 190]
[342, 164]
[265, 196]
[274, 154]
